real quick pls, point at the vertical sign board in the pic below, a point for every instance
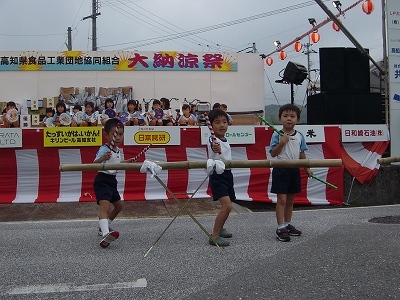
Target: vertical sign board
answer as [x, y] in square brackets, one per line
[393, 30]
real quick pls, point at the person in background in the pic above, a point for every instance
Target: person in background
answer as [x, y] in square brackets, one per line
[167, 113]
[187, 119]
[75, 110]
[135, 118]
[7, 123]
[60, 109]
[156, 114]
[108, 104]
[216, 105]
[286, 182]
[224, 107]
[90, 117]
[48, 119]
[193, 109]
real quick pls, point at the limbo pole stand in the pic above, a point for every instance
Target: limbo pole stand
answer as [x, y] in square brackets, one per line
[294, 163]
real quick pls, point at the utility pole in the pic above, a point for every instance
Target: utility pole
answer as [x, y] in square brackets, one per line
[69, 44]
[93, 16]
[307, 51]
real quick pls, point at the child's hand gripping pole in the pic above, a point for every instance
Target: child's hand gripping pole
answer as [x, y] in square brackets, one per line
[270, 125]
[211, 129]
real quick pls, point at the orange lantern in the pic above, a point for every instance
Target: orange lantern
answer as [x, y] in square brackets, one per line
[335, 27]
[282, 55]
[298, 46]
[368, 7]
[315, 37]
[269, 61]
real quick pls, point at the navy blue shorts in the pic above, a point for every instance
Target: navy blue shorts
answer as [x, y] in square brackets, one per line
[105, 188]
[222, 185]
[286, 181]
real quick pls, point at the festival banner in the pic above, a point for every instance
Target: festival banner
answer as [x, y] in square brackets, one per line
[117, 61]
[72, 136]
[152, 135]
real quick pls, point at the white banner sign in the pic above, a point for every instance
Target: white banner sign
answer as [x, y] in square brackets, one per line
[235, 135]
[10, 137]
[312, 133]
[393, 36]
[154, 135]
[365, 133]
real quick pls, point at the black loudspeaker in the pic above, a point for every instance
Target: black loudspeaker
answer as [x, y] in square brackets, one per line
[294, 73]
[358, 77]
[332, 70]
[336, 108]
[344, 70]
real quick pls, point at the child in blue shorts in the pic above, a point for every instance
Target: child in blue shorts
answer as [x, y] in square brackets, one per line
[221, 184]
[286, 181]
[105, 183]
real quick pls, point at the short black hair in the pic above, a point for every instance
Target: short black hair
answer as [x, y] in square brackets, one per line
[289, 107]
[216, 105]
[77, 106]
[215, 113]
[166, 103]
[156, 101]
[49, 109]
[60, 104]
[111, 123]
[134, 102]
[185, 106]
[90, 103]
[11, 103]
[109, 100]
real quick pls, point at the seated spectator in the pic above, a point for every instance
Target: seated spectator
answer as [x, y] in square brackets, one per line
[167, 113]
[60, 109]
[76, 118]
[7, 121]
[109, 111]
[187, 119]
[216, 106]
[48, 119]
[90, 116]
[156, 114]
[135, 118]
[224, 107]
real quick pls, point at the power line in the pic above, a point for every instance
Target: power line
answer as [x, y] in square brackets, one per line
[156, 40]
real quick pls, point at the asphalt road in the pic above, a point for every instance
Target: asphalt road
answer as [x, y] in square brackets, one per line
[339, 256]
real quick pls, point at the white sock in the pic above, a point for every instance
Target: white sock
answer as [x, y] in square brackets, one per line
[103, 223]
[281, 226]
[286, 223]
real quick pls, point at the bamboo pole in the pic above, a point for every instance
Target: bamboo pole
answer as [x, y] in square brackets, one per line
[230, 164]
[388, 160]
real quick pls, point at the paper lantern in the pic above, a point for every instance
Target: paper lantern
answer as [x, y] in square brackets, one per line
[282, 55]
[335, 27]
[298, 46]
[315, 37]
[368, 7]
[269, 61]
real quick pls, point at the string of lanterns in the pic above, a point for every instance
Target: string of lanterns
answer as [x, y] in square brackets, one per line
[367, 7]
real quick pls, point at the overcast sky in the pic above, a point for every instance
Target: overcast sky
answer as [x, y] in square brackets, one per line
[149, 25]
